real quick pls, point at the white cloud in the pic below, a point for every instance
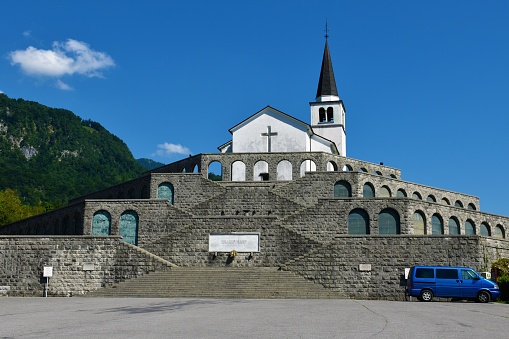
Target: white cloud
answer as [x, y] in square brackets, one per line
[63, 86]
[167, 149]
[1, 92]
[27, 34]
[67, 58]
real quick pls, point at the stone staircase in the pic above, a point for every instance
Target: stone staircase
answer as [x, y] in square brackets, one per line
[220, 283]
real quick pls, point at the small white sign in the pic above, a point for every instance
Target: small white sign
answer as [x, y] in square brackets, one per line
[88, 266]
[407, 272]
[47, 272]
[364, 267]
[240, 242]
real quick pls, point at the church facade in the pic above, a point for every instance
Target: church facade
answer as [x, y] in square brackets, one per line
[289, 198]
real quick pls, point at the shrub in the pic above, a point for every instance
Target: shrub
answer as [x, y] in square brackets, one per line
[503, 284]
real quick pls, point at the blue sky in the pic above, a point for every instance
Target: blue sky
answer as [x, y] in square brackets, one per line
[425, 83]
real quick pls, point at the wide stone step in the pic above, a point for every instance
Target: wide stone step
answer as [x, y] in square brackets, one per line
[201, 282]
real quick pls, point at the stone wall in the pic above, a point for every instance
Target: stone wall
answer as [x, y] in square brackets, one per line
[372, 267]
[22, 259]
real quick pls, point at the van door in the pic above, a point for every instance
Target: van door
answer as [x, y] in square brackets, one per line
[448, 283]
[470, 283]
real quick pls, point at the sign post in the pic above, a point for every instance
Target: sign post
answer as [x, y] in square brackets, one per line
[47, 273]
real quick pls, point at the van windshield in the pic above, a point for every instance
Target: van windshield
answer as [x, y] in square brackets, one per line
[468, 275]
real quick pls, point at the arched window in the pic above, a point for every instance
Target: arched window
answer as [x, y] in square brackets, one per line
[378, 173]
[401, 193]
[307, 166]
[165, 191]
[101, 223]
[215, 171]
[431, 198]
[485, 230]
[445, 201]
[238, 171]
[458, 204]
[342, 189]
[437, 226]
[385, 192]
[498, 232]
[330, 114]
[419, 223]
[261, 171]
[321, 115]
[388, 222]
[129, 227]
[471, 207]
[454, 227]
[358, 222]
[347, 168]
[331, 166]
[368, 191]
[362, 169]
[284, 170]
[469, 227]
[416, 196]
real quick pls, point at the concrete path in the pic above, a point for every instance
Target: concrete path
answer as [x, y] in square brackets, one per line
[211, 318]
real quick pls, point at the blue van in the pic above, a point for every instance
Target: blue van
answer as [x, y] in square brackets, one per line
[426, 282]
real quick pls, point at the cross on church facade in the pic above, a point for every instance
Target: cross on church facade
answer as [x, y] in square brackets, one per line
[268, 135]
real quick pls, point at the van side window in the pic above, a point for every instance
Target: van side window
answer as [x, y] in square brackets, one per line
[468, 275]
[424, 273]
[444, 273]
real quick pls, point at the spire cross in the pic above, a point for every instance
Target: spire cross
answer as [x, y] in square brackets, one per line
[268, 135]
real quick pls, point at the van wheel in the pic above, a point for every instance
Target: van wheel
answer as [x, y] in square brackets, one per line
[483, 297]
[426, 295]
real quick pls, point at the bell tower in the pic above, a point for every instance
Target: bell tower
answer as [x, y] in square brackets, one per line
[328, 111]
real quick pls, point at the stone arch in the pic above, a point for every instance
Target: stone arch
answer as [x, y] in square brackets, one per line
[129, 223]
[347, 168]
[364, 170]
[332, 166]
[431, 198]
[469, 227]
[437, 224]
[144, 192]
[358, 222]
[238, 171]
[260, 170]
[368, 190]
[416, 196]
[284, 170]
[101, 223]
[307, 165]
[196, 169]
[419, 222]
[484, 230]
[385, 192]
[215, 171]
[165, 190]
[393, 176]
[454, 226]
[458, 203]
[401, 193]
[378, 173]
[498, 231]
[471, 207]
[342, 189]
[446, 201]
[389, 222]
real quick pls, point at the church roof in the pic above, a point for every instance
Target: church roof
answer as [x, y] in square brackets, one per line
[327, 83]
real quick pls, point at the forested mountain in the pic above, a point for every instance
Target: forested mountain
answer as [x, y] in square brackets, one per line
[149, 164]
[50, 155]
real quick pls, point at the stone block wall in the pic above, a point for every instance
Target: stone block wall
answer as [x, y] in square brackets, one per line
[337, 265]
[23, 258]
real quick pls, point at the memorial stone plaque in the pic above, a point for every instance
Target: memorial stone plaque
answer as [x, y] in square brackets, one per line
[240, 242]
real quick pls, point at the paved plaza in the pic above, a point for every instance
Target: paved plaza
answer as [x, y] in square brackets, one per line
[211, 318]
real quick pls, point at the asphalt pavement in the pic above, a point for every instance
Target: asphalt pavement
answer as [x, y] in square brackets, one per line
[211, 318]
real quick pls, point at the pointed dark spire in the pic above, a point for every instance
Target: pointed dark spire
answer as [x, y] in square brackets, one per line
[327, 83]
